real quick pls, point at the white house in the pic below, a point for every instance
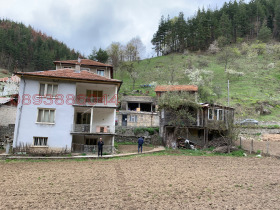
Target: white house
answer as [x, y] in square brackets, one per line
[67, 108]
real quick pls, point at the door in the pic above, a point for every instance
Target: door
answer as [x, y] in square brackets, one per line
[124, 120]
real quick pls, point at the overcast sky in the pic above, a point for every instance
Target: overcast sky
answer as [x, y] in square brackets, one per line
[84, 24]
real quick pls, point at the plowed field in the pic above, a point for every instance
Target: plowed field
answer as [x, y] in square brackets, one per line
[142, 182]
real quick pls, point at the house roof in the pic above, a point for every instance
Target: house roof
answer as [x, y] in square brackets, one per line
[166, 88]
[12, 78]
[85, 62]
[4, 100]
[69, 74]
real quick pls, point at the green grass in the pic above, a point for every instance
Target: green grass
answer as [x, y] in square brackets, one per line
[167, 152]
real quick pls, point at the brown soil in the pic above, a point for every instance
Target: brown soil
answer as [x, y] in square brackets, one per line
[142, 182]
[132, 148]
[271, 137]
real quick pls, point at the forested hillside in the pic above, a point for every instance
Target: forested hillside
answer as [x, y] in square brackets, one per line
[24, 49]
[234, 22]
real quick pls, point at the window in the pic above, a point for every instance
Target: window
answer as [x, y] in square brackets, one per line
[133, 118]
[210, 114]
[95, 96]
[91, 141]
[67, 67]
[48, 89]
[45, 115]
[83, 118]
[40, 141]
[220, 114]
[100, 72]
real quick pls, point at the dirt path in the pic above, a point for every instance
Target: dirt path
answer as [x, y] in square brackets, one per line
[142, 182]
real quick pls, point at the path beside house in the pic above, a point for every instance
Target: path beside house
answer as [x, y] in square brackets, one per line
[156, 149]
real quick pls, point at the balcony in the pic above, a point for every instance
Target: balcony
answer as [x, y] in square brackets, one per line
[87, 128]
[82, 100]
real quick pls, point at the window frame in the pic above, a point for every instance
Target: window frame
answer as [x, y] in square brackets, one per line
[92, 98]
[101, 70]
[133, 118]
[44, 109]
[212, 114]
[44, 139]
[46, 84]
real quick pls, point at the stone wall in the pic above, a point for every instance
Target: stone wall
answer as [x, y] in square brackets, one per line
[144, 119]
[7, 115]
[126, 134]
[6, 133]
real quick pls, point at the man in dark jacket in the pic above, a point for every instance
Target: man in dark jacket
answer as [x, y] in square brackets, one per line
[100, 146]
[140, 143]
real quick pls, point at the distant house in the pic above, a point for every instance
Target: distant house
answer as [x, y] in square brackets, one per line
[208, 121]
[162, 89]
[67, 108]
[8, 110]
[138, 111]
[9, 85]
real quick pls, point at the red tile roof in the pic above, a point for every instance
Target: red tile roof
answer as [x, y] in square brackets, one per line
[12, 78]
[85, 62]
[69, 74]
[166, 88]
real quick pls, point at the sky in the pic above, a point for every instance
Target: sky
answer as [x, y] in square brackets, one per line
[85, 24]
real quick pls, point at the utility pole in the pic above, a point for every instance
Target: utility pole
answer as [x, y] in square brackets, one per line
[228, 91]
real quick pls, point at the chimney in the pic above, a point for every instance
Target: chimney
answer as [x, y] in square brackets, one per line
[77, 68]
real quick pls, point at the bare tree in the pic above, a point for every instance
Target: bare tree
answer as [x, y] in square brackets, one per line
[134, 49]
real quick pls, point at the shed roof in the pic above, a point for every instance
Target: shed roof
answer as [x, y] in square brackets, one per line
[166, 88]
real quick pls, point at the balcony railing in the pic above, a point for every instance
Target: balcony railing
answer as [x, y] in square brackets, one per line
[86, 128]
[81, 128]
[91, 148]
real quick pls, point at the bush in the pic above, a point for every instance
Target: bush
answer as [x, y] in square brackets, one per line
[150, 130]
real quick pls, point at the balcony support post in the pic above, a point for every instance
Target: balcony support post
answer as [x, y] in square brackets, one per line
[91, 120]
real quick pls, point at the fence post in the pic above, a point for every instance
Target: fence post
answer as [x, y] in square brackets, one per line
[267, 147]
[240, 143]
[251, 147]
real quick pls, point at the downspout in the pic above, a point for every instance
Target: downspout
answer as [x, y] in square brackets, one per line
[20, 109]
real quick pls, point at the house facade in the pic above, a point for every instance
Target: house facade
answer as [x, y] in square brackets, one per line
[207, 120]
[67, 108]
[138, 111]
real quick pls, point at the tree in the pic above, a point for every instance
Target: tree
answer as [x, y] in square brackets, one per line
[134, 49]
[264, 34]
[100, 55]
[116, 54]
[129, 67]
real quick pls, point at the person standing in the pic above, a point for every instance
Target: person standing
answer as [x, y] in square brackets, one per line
[140, 143]
[100, 146]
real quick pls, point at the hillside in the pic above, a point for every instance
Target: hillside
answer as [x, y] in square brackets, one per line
[24, 49]
[252, 70]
